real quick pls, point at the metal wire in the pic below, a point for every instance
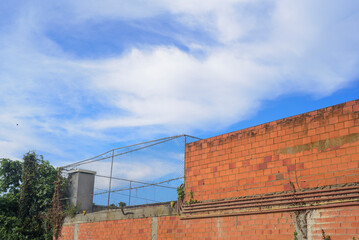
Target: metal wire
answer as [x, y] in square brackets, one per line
[151, 184]
[134, 181]
[165, 151]
[86, 161]
[127, 195]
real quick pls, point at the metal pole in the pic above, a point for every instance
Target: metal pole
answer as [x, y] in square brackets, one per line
[184, 159]
[109, 187]
[129, 196]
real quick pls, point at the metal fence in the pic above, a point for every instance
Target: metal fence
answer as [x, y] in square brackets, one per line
[143, 173]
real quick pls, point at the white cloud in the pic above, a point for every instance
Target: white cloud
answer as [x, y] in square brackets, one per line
[256, 50]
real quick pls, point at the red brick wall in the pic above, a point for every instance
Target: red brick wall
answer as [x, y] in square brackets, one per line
[310, 150]
[119, 229]
[338, 223]
[276, 226]
[266, 226]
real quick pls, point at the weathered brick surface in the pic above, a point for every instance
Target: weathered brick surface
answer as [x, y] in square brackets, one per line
[276, 226]
[338, 223]
[310, 150]
[118, 229]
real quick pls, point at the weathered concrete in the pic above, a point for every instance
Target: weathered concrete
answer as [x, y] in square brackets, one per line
[311, 221]
[76, 232]
[81, 189]
[301, 224]
[158, 210]
[154, 228]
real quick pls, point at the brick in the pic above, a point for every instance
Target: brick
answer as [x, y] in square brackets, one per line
[287, 162]
[287, 187]
[291, 167]
[267, 159]
[279, 176]
[262, 166]
[300, 166]
[232, 165]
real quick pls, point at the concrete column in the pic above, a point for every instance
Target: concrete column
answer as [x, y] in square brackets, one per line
[76, 232]
[154, 228]
[81, 189]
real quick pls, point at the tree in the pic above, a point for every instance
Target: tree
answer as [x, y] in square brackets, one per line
[26, 191]
[10, 179]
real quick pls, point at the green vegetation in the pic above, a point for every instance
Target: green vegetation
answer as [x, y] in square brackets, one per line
[71, 211]
[295, 236]
[181, 195]
[324, 236]
[191, 200]
[26, 192]
[180, 192]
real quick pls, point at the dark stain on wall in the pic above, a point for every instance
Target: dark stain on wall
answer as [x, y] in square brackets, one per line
[321, 145]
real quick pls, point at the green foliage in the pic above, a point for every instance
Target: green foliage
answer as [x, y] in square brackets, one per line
[26, 190]
[71, 211]
[180, 192]
[191, 194]
[10, 176]
[191, 200]
[11, 228]
[122, 204]
[295, 236]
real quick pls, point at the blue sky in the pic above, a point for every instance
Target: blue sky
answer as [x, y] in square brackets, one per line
[80, 77]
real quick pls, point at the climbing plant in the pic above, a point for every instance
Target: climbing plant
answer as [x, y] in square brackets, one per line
[59, 210]
[180, 192]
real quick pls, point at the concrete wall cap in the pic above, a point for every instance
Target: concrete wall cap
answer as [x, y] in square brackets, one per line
[81, 171]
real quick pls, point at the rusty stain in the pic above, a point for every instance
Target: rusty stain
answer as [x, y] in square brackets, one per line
[321, 145]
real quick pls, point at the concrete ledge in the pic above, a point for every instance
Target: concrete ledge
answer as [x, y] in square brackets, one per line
[143, 211]
[82, 171]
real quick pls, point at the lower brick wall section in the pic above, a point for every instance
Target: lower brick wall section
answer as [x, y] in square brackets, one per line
[117, 229]
[338, 223]
[266, 226]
